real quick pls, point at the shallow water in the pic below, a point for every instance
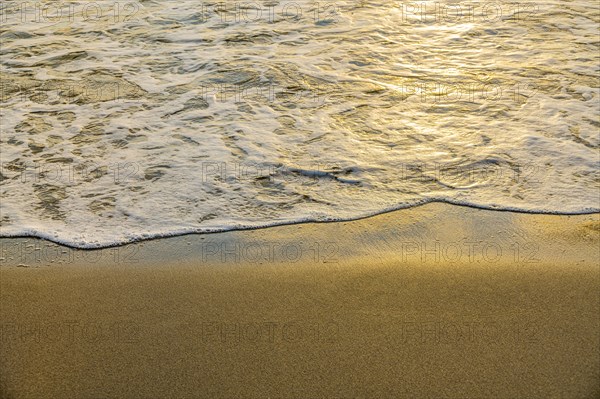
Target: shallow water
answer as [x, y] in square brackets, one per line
[123, 121]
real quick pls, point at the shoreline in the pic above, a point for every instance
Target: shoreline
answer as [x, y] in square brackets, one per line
[425, 203]
[433, 301]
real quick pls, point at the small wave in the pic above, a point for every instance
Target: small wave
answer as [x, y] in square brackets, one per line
[134, 238]
[170, 118]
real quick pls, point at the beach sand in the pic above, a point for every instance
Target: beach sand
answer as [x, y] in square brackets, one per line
[437, 301]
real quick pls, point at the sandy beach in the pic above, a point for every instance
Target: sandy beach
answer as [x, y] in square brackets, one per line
[437, 301]
[188, 191]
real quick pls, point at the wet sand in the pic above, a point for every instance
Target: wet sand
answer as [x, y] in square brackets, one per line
[437, 301]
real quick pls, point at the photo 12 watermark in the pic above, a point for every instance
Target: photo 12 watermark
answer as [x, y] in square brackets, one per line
[64, 92]
[477, 171]
[70, 332]
[55, 12]
[468, 252]
[261, 251]
[66, 172]
[468, 91]
[228, 13]
[19, 253]
[487, 330]
[427, 12]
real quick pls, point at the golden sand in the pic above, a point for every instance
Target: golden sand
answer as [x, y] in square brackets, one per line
[437, 301]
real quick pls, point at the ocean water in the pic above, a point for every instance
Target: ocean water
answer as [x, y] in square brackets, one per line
[123, 121]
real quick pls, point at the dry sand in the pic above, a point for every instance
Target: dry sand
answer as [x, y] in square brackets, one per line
[437, 301]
